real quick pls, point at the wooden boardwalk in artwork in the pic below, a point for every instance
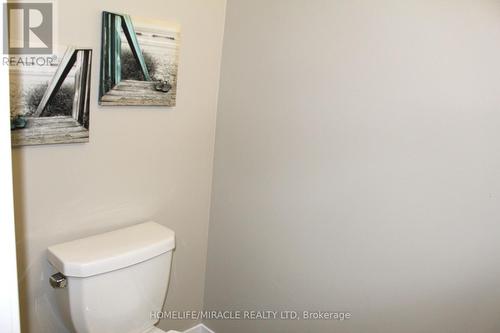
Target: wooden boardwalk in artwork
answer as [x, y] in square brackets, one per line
[50, 130]
[136, 93]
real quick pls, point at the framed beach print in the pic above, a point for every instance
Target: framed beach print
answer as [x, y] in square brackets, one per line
[50, 104]
[139, 61]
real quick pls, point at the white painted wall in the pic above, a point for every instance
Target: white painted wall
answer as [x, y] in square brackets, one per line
[357, 165]
[9, 303]
[141, 163]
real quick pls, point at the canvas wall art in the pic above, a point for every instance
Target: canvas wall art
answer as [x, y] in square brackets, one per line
[50, 104]
[139, 61]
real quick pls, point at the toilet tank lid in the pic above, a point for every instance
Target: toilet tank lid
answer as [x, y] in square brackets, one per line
[112, 250]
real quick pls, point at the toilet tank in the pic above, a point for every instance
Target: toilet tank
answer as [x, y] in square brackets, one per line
[116, 280]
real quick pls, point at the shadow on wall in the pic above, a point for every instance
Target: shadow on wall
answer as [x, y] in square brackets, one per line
[36, 298]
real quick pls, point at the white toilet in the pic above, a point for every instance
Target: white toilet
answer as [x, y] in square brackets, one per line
[113, 282]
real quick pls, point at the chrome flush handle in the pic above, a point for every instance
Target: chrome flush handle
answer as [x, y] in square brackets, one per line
[58, 280]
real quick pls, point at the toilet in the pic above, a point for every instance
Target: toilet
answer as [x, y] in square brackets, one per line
[113, 282]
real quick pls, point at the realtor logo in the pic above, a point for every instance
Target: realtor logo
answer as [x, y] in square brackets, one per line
[28, 28]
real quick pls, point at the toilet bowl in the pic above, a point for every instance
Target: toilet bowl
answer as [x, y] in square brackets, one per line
[113, 282]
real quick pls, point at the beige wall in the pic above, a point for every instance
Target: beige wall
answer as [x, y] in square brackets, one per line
[9, 302]
[357, 165]
[142, 163]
